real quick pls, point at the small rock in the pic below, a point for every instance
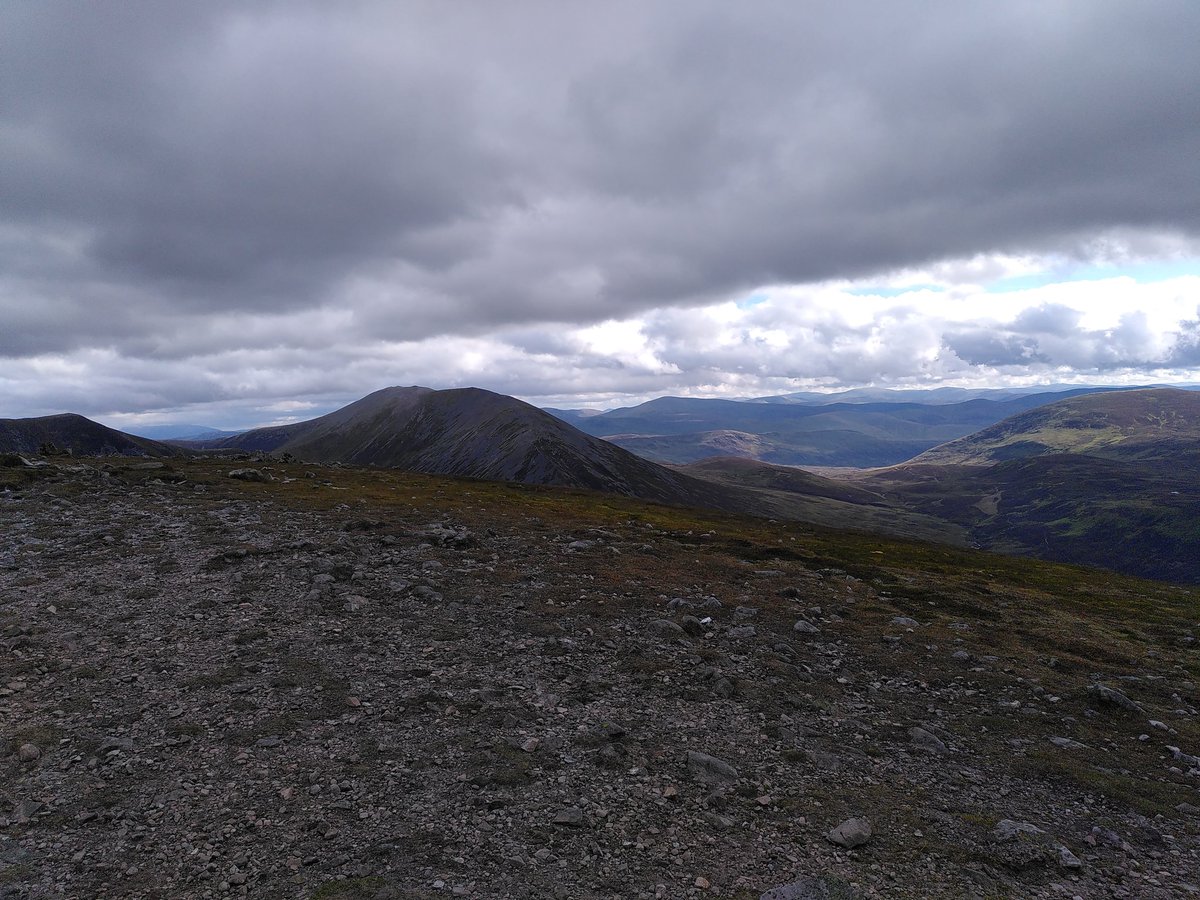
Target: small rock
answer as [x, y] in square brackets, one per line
[803, 626]
[710, 768]
[1068, 860]
[741, 633]
[664, 628]
[114, 745]
[1008, 830]
[250, 475]
[906, 622]
[926, 740]
[851, 833]
[1107, 695]
[571, 815]
[1185, 758]
[28, 753]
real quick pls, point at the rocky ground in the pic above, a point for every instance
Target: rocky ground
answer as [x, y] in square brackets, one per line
[347, 684]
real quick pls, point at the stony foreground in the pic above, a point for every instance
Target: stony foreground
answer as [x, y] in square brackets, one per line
[402, 689]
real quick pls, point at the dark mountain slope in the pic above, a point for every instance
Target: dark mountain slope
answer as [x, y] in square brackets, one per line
[75, 434]
[479, 434]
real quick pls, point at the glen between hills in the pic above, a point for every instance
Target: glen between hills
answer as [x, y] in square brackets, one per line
[1108, 479]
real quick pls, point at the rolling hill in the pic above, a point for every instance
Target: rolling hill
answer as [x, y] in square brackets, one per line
[1156, 423]
[76, 435]
[1110, 479]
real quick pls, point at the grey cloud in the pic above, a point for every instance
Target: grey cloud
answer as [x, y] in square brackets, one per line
[445, 169]
[984, 348]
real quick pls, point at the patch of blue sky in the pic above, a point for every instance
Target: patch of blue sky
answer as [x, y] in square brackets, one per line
[1142, 273]
[756, 299]
[881, 291]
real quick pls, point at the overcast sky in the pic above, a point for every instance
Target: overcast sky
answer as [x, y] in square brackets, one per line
[242, 213]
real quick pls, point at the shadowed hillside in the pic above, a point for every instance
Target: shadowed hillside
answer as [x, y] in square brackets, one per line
[76, 435]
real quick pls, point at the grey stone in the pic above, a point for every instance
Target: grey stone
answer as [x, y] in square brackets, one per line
[1008, 830]
[570, 815]
[722, 687]
[710, 768]
[250, 475]
[664, 628]
[1068, 860]
[926, 740]
[803, 626]
[851, 833]
[906, 622]
[742, 633]
[1107, 695]
[692, 625]
[114, 745]
[1185, 758]
[28, 753]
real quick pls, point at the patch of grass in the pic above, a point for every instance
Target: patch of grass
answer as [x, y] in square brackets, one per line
[351, 889]
[1148, 796]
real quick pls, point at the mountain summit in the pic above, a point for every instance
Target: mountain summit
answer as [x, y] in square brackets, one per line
[476, 433]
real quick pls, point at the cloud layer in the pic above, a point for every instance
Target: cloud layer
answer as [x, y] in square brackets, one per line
[219, 202]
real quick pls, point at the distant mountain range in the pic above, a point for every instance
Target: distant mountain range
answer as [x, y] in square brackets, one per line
[1111, 478]
[180, 432]
[862, 433]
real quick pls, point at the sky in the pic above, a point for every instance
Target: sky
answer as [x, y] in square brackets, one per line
[236, 214]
